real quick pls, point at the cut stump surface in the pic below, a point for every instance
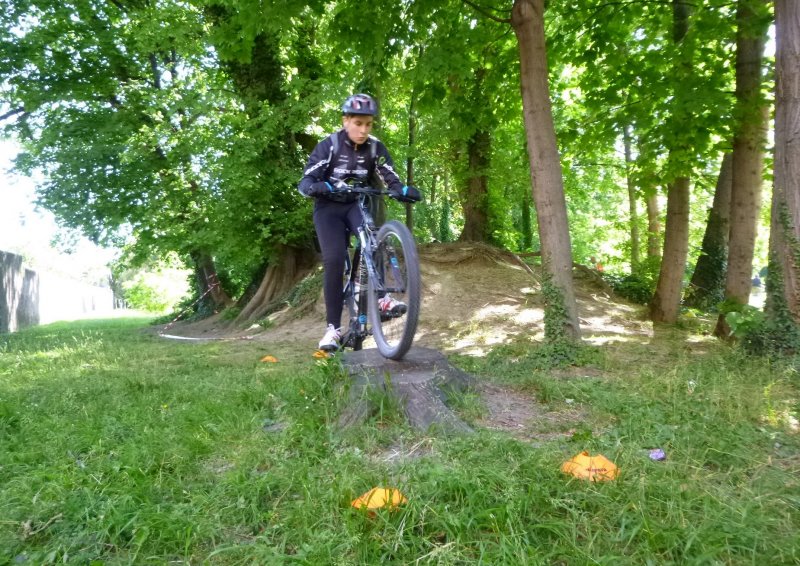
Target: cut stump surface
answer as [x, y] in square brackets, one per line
[420, 382]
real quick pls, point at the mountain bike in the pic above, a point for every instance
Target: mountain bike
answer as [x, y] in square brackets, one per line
[383, 263]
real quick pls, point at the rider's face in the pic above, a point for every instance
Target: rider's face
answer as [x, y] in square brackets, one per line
[357, 127]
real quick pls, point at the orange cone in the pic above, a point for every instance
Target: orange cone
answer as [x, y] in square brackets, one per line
[592, 468]
[378, 497]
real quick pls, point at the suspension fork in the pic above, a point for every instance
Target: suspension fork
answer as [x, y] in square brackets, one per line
[366, 237]
[368, 261]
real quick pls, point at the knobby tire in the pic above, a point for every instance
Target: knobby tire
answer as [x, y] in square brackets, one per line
[394, 336]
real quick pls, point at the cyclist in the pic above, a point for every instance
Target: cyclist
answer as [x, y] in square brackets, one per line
[347, 156]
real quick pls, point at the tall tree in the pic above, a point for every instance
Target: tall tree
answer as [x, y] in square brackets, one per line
[666, 300]
[114, 106]
[256, 69]
[707, 286]
[783, 280]
[561, 311]
[632, 198]
[752, 19]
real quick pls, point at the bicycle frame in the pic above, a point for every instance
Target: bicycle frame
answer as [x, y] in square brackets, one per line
[377, 271]
[362, 259]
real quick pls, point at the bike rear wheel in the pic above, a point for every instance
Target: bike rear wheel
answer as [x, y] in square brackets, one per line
[397, 274]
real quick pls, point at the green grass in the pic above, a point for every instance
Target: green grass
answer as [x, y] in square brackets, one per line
[118, 447]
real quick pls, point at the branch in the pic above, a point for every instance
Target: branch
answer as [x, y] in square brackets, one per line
[486, 13]
[11, 113]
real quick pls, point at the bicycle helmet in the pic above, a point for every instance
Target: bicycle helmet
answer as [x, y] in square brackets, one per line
[360, 104]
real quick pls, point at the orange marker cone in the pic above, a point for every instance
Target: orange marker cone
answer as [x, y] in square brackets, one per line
[592, 468]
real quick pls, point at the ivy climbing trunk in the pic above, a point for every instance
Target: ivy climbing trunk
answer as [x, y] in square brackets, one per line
[474, 201]
[290, 265]
[783, 279]
[257, 77]
[748, 153]
[707, 285]
[561, 310]
[667, 298]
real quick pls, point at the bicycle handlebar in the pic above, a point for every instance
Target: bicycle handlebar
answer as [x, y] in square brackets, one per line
[361, 190]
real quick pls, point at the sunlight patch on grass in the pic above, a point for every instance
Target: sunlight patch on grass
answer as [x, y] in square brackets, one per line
[702, 339]
[615, 339]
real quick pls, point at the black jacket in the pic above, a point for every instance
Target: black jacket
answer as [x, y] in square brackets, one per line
[351, 163]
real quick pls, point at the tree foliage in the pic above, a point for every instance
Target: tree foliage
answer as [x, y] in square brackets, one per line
[183, 128]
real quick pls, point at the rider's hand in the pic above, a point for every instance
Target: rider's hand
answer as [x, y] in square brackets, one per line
[320, 188]
[407, 194]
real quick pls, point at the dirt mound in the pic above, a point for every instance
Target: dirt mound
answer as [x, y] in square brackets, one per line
[474, 297]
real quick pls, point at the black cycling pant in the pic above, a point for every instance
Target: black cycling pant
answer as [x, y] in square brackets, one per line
[334, 221]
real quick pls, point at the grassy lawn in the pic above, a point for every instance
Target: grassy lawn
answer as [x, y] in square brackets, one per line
[118, 447]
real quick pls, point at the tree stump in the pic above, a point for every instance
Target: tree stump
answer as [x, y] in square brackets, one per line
[420, 382]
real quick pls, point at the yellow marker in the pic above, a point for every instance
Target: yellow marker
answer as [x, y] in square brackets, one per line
[593, 468]
[378, 497]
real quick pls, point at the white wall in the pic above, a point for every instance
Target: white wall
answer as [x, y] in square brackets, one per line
[28, 297]
[61, 298]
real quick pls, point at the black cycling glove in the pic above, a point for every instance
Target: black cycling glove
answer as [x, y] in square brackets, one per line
[407, 194]
[319, 188]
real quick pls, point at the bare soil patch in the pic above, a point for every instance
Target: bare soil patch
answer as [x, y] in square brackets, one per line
[520, 415]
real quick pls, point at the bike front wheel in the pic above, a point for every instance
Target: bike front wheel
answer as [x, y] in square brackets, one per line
[394, 292]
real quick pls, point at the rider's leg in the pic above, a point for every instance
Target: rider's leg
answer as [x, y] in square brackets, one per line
[332, 220]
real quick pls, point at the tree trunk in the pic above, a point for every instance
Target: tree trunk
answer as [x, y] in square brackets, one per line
[666, 301]
[258, 80]
[748, 153]
[527, 228]
[783, 278]
[632, 208]
[213, 297]
[561, 310]
[707, 286]
[289, 266]
[667, 298]
[443, 230]
[412, 134]
[475, 201]
[653, 225]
